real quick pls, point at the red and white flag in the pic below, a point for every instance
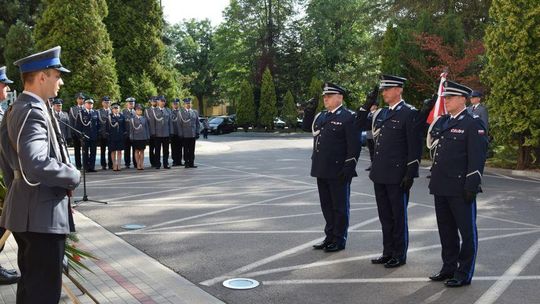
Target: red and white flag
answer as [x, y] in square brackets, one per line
[439, 108]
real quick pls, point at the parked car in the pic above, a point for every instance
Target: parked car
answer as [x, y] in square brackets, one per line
[221, 124]
[278, 123]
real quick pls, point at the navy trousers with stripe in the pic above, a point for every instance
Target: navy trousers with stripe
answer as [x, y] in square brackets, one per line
[334, 195]
[392, 204]
[455, 215]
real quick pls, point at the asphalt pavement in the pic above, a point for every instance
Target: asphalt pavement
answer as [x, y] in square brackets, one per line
[251, 210]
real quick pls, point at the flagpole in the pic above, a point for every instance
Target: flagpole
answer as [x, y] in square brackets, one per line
[439, 108]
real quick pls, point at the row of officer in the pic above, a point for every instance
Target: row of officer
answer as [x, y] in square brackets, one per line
[397, 131]
[179, 124]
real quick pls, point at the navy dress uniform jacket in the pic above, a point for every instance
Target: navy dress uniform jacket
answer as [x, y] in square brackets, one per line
[398, 145]
[336, 141]
[116, 132]
[460, 155]
[88, 123]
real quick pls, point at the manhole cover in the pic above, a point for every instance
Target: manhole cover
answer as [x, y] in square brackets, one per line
[240, 283]
[133, 226]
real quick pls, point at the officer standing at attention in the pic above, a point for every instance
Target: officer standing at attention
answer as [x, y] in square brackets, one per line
[460, 146]
[477, 108]
[39, 177]
[189, 129]
[103, 115]
[7, 276]
[394, 166]
[88, 124]
[176, 143]
[162, 123]
[129, 151]
[151, 118]
[336, 148]
[62, 117]
[73, 116]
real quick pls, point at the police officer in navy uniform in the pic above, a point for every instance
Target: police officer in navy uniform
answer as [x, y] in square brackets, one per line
[459, 144]
[395, 165]
[7, 276]
[103, 115]
[336, 148]
[39, 177]
[88, 124]
[73, 115]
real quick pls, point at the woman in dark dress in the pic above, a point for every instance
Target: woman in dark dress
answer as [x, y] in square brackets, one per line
[139, 134]
[116, 130]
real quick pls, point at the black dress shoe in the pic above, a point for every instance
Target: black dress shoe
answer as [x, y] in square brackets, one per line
[456, 283]
[394, 262]
[381, 260]
[333, 247]
[104, 168]
[166, 167]
[321, 245]
[91, 170]
[441, 276]
[368, 168]
[8, 277]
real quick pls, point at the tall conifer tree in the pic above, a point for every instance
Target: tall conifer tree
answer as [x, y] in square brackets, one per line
[288, 112]
[245, 110]
[267, 105]
[136, 30]
[512, 44]
[77, 26]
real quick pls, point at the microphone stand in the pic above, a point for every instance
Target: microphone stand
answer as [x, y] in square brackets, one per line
[85, 198]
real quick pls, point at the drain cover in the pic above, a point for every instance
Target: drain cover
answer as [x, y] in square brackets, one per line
[133, 226]
[240, 283]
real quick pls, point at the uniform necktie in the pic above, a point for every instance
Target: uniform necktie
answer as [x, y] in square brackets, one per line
[447, 122]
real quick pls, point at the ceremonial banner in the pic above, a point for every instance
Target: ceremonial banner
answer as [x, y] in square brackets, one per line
[439, 108]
